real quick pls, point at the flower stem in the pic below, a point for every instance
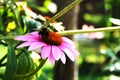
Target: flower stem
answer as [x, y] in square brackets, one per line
[42, 62]
[71, 32]
[62, 12]
[6, 37]
[80, 31]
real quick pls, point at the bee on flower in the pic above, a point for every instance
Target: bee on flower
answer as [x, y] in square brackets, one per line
[49, 45]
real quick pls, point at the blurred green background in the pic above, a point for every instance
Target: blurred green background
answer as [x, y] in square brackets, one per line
[99, 52]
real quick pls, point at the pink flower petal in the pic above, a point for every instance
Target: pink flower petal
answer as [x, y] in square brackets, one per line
[68, 53]
[66, 40]
[38, 50]
[24, 44]
[70, 48]
[36, 45]
[67, 45]
[56, 52]
[35, 33]
[51, 59]
[75, 53]
[27, 38]
[64, 44]
[63, 58]
[45, 52]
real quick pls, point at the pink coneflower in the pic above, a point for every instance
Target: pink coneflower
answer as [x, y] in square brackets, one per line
[50, 45]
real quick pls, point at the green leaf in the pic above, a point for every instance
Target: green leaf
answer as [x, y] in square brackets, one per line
[11, 64]
[26, 61]
[31, 24]
[25, 65]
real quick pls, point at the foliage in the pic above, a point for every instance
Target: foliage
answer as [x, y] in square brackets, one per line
[101, 57]
[15, 21]
[16, 18]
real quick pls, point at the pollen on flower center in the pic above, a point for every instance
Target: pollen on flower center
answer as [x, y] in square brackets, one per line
[53, 39]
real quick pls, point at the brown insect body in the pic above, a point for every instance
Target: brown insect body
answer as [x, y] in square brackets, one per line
[50, 37]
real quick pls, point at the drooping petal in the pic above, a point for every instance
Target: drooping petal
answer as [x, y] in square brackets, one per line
[27, 38]
[35, 34]
[70, 48]
[75, 53]
[51, 58]
[68, 52]
[56, 52]
[38, 50]
[24, 44]
[67, 45]
[36, 45]
[63, 58]
[67, 41]
[45, 52]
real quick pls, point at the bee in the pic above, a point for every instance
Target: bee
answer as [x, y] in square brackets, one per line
[50, 37]
[44, 32]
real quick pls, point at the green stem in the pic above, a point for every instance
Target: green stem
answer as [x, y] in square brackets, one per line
[62, 12]
[42, 62]
[1, 23]
[6, 37]
[80, 31]
[15, 11]
[71, 32]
